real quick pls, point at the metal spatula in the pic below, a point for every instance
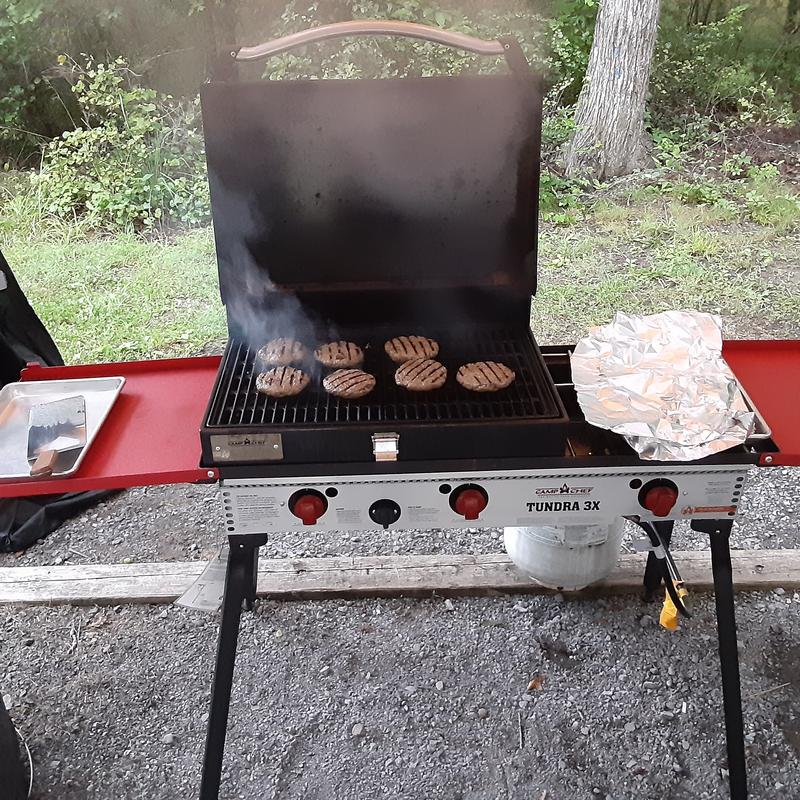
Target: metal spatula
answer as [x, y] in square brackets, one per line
[54, 428]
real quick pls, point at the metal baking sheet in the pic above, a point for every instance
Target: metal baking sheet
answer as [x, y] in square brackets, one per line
[16, 400]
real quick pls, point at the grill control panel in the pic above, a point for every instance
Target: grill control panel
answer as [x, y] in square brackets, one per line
[497, 499]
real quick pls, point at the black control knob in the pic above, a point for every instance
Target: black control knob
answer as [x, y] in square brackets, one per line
[384, 512]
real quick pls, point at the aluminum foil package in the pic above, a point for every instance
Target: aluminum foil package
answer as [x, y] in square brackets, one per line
[661, 382]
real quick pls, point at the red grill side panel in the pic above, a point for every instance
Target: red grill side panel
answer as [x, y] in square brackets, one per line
[770, 374]
[151, 435]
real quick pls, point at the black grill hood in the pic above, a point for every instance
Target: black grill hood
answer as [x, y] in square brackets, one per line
[376, 200]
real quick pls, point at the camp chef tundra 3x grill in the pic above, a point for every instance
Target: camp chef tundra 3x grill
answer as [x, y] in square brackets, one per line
[366, 209]
[362, 210]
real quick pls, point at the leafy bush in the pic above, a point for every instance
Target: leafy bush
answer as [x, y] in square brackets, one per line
[695, 72]
[561, 199]
[571, 35]
[18, 91]
[135, 159]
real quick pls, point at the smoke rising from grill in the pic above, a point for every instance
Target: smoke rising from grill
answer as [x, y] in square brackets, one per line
[258, 309]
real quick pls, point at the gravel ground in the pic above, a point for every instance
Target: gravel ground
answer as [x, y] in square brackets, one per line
[405, 699]
[396, 698]
[181, 523]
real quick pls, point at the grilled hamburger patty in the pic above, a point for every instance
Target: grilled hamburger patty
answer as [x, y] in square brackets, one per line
[282, 381]
[280, 352]
[485, 376]
[339, 354]
[349, 383]
[421, 375]
[404, 348]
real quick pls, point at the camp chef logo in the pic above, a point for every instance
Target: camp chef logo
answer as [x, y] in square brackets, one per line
[564, 489]
[246, 441]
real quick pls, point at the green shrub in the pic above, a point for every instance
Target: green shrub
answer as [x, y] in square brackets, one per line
[766, 200]
[18, 90]
[571, 35]
[561, 199]
[711, 70]
[135, 159]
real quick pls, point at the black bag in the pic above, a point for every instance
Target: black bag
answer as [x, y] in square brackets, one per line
[23, 338]
[13, 780]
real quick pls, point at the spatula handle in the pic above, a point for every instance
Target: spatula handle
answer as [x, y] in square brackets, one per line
[44, 463]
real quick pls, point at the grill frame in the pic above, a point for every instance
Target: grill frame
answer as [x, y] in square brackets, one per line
[526, 419]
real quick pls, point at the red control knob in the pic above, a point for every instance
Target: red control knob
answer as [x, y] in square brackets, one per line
[660, 500]
[308, 507]
[470, 502]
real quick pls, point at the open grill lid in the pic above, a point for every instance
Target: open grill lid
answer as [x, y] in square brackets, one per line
[377, 199]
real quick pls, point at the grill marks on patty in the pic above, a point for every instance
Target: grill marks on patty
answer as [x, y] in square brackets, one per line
[404, 348]
[339, 354]
[349, 383]
[485, 376]
[282, 382]
[281, 352]
[421, 375]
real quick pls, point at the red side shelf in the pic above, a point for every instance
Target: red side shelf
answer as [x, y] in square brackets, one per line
[151, 435]
[770, 374]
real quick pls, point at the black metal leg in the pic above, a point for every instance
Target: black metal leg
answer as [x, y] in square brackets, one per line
[252, 586]
[720, 531]
[238, 585]
[654, 571]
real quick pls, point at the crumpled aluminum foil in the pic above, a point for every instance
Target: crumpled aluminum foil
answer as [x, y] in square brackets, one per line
[661, 382]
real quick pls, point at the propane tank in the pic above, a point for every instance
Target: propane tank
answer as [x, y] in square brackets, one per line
[566, 557]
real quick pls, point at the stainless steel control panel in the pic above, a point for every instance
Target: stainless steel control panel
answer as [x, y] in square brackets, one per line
[472, 500]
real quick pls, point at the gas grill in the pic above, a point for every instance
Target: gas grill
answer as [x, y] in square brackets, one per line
[363, 210]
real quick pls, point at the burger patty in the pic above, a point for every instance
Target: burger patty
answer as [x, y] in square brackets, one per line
[339, 354]
[349, 383]
[281, 352]
[404, 348]
[485, 376]
[421, 375]
[282, 381]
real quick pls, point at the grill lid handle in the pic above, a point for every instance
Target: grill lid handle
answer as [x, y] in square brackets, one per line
[507, 47]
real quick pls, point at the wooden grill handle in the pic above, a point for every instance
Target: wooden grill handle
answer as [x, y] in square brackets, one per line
[372, 27]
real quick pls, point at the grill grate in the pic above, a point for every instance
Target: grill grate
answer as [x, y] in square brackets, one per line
[237, 402]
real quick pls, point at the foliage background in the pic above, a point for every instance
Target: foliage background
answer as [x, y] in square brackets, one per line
[100, 95]
[104, 201]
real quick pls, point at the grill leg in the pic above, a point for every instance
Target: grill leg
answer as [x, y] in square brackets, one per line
[720, 531]
[252, 584]
[242, 561]
[653, 571]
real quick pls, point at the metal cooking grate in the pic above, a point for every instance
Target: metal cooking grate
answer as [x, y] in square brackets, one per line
[237, 402]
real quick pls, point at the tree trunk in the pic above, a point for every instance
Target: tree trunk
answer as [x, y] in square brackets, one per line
[609, 118]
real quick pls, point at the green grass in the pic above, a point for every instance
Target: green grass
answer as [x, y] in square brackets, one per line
[126, 297]
[123, 298]
[645, 253]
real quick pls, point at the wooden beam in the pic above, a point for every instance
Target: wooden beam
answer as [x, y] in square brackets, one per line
[371, 576]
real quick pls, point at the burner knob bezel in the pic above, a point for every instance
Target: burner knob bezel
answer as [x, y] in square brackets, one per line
[659, 497]
[385, 512]
[469, 500]
[308, 505]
